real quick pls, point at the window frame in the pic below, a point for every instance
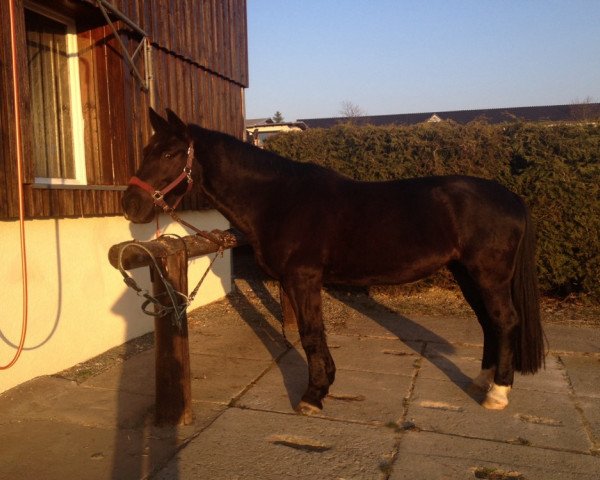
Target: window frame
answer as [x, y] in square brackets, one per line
[76, 107]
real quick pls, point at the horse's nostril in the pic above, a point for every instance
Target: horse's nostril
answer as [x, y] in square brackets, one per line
[130, 205]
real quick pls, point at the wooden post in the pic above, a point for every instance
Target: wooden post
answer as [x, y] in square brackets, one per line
[173, 376]
[172, 351]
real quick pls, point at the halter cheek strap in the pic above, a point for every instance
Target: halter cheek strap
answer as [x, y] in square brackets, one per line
[158, 195]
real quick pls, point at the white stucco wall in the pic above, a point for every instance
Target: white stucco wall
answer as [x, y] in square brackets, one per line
[79, 306]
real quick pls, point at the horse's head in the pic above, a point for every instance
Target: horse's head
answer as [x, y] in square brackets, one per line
[165, 173]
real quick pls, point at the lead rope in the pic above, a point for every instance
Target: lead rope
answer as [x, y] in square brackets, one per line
[191, 296]
[160, 310]
[178, 308]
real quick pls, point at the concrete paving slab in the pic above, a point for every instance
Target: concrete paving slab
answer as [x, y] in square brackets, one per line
[221, 379]
[545, 419]
[473, 352]
[431, 456]
[382, 355]
[584, 373]
[355, 395]
[465, 364]
[452, 330]
[279, 389]
[58, 447]
[244, 444]
[367, 397]
[590, 408]
[243, 399]
[552, 378]
[33, 396]
[385, 325]
[63, 451]
[564, 338]
[66, 401]
[136, 375]
[416, 328]
[241, 340]
[455, 368]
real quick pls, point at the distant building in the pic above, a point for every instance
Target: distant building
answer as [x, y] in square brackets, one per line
[259, 129]
[576, 112]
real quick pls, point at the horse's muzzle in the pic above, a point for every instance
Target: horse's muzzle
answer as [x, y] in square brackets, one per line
[137, 209]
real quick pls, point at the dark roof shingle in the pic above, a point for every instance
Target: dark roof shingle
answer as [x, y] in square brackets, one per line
[555, 113]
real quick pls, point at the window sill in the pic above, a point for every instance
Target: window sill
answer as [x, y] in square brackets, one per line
[48, 186]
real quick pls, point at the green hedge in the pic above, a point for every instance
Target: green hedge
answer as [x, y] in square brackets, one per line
[556, 168]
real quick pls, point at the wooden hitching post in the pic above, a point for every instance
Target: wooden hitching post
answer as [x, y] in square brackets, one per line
[173, 378]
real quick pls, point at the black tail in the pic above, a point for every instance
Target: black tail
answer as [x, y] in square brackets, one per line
[530, 343]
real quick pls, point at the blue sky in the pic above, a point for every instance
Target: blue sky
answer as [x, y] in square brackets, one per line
[308, 57]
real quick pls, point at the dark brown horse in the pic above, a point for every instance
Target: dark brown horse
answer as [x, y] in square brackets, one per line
[309, 225]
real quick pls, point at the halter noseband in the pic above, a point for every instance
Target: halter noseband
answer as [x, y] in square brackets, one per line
[158, 195]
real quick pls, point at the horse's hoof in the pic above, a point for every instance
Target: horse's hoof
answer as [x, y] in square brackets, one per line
[305, 408]
[484, 381]
[496, 398]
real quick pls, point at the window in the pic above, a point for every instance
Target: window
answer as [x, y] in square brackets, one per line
[56, 115]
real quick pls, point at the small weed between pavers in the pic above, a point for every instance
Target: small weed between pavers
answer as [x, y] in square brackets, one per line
[398, 353]
[539, 420]
[385, 466]
[496, 474]
[441, 406]
[346, 397]
[406, 426]
[520, 441]
[299, 443]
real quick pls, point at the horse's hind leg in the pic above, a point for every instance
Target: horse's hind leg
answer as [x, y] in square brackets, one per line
[504, 321]
[303, 288]
[472, 295]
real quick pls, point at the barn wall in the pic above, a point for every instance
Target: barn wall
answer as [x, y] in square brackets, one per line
[78, 304]
[199, 70]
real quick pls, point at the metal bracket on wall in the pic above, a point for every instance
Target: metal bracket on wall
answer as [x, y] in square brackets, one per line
[144, 45]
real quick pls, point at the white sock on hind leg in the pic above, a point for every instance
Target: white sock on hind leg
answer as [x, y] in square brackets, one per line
[497, 397]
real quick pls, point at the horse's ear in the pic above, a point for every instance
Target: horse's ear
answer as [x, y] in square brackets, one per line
[175, 121]
[159, 124]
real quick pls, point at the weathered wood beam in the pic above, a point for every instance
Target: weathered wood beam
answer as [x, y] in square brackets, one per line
[172, 350]
[165, 246]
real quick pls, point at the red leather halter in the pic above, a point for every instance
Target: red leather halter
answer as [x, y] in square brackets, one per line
[223, 239]
[158, 195]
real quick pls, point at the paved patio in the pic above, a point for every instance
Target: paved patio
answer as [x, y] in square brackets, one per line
[400, 407]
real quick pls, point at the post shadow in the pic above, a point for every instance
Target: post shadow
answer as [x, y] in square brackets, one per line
[141, 447]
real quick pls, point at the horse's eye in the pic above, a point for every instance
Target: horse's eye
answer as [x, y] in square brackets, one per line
[168, 155]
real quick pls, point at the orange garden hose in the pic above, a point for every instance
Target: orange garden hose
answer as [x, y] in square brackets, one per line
[13, 43]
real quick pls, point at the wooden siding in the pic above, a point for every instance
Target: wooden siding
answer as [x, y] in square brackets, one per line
[199, 68]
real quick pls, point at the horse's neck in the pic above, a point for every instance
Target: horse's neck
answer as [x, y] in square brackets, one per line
[234, 187]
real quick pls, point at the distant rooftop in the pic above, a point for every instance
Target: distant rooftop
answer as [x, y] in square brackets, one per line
[268, 122]
[552, 113]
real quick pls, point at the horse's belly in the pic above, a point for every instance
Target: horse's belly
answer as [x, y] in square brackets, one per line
[379, 271]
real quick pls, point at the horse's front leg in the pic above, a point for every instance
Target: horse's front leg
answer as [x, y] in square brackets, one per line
[303, 288]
